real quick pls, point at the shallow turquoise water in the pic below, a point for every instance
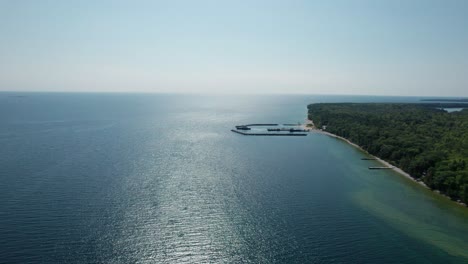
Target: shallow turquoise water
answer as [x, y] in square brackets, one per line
[121, 178]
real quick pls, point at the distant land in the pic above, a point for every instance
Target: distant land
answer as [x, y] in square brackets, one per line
[423, 140]
[446, 100]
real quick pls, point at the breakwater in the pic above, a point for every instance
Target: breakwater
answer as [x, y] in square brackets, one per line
[268, 134]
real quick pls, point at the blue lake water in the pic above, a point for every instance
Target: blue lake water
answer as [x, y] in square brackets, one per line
[141, 178]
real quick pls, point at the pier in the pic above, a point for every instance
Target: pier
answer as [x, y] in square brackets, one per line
[380, 168]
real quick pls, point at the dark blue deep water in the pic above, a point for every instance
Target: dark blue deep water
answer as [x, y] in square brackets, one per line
[145, 178]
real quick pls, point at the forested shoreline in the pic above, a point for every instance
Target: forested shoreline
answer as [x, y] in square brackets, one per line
[423, 140]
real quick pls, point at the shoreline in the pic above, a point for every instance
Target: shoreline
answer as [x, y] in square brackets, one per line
[401, 172]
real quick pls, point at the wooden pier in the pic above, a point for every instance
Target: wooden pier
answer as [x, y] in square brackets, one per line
[380, 168]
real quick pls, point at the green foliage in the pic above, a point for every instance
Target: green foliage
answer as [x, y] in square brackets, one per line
[428, 143]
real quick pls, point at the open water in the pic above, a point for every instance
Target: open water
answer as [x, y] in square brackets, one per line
[146, 178]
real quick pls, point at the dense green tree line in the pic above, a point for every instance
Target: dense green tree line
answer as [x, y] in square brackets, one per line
[428, 143]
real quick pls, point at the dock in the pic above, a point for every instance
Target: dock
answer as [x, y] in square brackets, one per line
[380, 168]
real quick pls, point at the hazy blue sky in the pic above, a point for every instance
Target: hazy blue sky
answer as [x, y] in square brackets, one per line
[392, 47]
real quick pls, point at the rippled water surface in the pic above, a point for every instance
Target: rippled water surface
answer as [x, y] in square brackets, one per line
[124, 178]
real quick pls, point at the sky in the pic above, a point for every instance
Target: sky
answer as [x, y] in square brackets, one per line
[365, 47]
